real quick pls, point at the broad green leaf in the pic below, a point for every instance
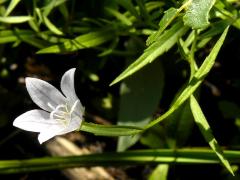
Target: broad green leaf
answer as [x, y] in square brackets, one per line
[138, 157]
[119, 16]
[139, 101]
[229, 109]
[195, 81]
[179, 126]
[15, 19]
[88, 40]
[197, 13]
[207, 132]
[160, 172]
[110, 130]
[174, 133]
[164, 43]
[155, 138]
[11, 6]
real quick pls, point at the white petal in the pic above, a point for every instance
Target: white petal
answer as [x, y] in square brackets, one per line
[42, 137]
[34, 120]
[49, 133]
[43, 93]
[54, 130]
[67, 87]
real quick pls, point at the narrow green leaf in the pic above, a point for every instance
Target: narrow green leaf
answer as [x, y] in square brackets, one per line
[138, 102]
[154, 5]
[51, 5]
[138, 157]
[210, 60]
[197, 13]
[49, 37]
[160, 172]
[11, 6]
[39, 43]
[110, 130]
[44, 19]
[51, 26]
[167, 18]
[119, 16]
[207, 132]
[223, 11]
[143, 11]
[215, 29]
[110, 49]
[165, 42]
[127, 4]
[88, 40]
[22, 35]
[195, 81]
[7, 36]
[15, 19]
[64, 11]
[34, 25]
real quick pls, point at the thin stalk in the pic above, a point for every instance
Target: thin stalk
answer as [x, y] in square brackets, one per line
[137, 157]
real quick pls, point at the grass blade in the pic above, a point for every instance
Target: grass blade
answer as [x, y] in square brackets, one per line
[207, 133]
[138, 157]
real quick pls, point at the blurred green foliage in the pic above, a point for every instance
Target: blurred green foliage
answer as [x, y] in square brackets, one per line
[154, 54]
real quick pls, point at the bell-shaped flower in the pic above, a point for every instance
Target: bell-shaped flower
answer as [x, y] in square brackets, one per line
[62, 113]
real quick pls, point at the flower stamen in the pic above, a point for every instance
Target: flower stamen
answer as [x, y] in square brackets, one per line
[51, 106]
[62, 114]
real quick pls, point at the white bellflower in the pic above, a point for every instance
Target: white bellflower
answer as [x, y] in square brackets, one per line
[61, 114]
